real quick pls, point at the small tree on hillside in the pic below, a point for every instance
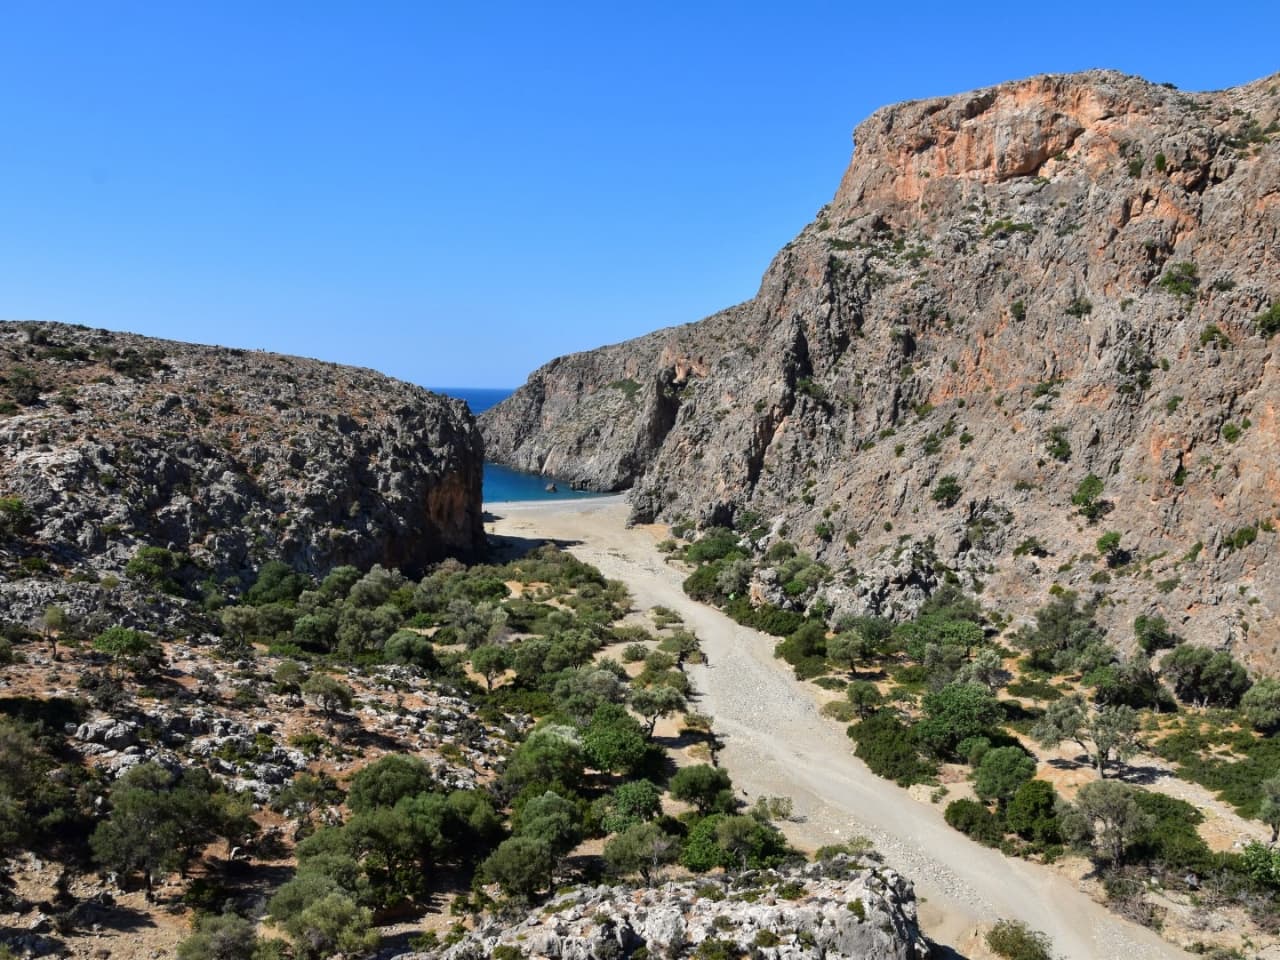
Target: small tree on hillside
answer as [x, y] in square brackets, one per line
[129, 650]
[1111, 732]
[850, 648]
[329, 693]
[655, 702]
[1106, 816]
[954, 713]
[864, 696]
[54, 621]
[152, 828]
[1001, 772]
[707, 788]
[490, 660]
[642, 848]
[1269, 809]
[521, 866]
[1261, 705]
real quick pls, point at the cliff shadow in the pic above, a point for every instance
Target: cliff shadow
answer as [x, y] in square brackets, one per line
[503, 549]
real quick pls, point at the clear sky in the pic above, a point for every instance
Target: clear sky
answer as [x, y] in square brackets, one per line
[456, 193]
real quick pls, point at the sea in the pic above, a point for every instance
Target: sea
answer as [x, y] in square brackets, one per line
[502, 484]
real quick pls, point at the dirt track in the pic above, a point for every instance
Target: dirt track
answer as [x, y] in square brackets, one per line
[777, 744]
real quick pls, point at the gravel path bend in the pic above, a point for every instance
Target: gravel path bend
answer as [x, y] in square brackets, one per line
[776, 743]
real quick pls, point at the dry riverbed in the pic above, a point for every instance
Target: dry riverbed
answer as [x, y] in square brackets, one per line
[776, 743]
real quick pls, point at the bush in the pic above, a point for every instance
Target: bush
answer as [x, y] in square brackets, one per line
[707, 788]
[1001, 772]
[156, 566]
[1268, 322]
[886, 746]
[1088, 498]
[1014, 940]
[947, 491]
[1032, 813]
[975, 821]
[716, 544]
[1181, 280]
[954, 713]
[1171, 838]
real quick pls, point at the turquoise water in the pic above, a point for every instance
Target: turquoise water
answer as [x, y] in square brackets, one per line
[502, 484]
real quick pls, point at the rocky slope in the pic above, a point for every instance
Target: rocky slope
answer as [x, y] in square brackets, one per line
[832, 910]
[228, 458]
[1013, 288]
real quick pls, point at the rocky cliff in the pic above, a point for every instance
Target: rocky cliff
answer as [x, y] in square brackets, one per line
[225, 458]
[1013, 291]
[833, 910]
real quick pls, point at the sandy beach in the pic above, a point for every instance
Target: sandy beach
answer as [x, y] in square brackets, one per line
[776, 743]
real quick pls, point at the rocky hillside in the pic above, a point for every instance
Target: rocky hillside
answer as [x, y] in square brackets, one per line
[211, 462]
[1031, 315]
[833, 909]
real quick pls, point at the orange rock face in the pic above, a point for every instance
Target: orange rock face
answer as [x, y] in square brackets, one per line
[1016, 287]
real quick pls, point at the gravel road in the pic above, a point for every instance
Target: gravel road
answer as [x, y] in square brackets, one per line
[776, 743]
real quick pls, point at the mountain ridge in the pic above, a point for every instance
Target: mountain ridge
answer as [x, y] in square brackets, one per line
[225, 459]
[1017, 288]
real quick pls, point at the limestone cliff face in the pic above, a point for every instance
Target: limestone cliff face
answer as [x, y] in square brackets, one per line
[1015, 288]
[112, 442]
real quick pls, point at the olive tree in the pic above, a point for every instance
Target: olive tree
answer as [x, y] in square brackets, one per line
[1105, 734]
[1105, 817]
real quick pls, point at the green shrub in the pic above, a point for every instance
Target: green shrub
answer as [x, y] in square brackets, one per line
[975, 821]
[1079, 307]
[1088, 497]
[947, 491]
[1241, 537]
[157, 566]
[1032, 813]
[628, 387]
[1268, 322]
[1180, 280]
[1212, 336]
[1014, 940]
[716, 544]
[886, 746]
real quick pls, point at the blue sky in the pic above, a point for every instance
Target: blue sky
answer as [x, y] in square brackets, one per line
[455, 194]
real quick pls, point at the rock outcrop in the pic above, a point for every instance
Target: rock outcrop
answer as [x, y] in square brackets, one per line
[825, 910]
[1012, 290]
[226, 458]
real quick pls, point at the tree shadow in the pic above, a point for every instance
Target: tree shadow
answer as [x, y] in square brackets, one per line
[1143, 775]
[1073, 763]
[87, 914]
[358, 736]
[685, 738]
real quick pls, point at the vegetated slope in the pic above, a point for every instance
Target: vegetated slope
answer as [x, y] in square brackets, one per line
[1013, 290]
[223, 458]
